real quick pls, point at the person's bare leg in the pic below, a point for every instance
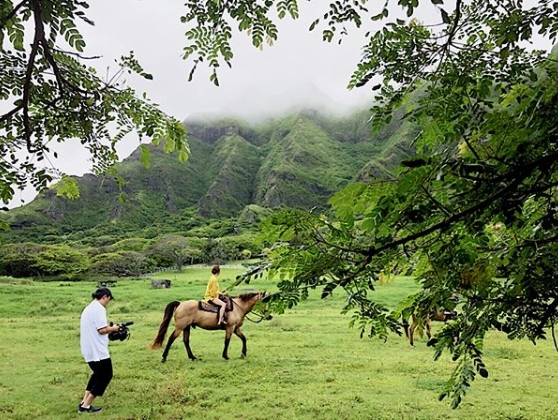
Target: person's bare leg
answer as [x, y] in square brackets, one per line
[222, 307]
[85, 396]
[88, 401]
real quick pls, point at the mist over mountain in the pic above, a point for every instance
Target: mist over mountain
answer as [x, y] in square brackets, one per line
[272, 101]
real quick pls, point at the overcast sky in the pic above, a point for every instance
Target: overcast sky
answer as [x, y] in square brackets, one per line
[299, 69]
[298, 66]
[258, 79]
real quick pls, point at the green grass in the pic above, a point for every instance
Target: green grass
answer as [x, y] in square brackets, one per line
[304, 364]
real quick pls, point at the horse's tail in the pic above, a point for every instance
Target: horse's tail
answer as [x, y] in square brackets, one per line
[169, 310]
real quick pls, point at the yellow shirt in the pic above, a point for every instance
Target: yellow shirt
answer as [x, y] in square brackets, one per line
[212, 290]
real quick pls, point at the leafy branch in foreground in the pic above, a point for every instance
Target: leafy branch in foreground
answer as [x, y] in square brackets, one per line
[474, 214]
[52, 96]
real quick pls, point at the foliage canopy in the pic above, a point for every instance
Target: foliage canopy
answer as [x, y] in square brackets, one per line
[51, 95]
[474, 214]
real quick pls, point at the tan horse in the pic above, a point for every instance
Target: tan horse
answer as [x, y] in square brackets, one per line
[442, 315]
[187, 315]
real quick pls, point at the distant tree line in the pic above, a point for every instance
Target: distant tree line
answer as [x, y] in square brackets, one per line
[126, 258]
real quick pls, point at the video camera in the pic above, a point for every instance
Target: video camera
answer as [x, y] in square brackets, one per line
[123, 332]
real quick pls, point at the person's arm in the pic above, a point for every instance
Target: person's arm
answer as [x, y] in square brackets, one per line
[108, 329]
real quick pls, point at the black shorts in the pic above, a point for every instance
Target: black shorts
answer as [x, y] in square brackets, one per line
[101, 377]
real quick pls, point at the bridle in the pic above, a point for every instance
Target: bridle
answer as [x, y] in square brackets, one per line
[260, 315]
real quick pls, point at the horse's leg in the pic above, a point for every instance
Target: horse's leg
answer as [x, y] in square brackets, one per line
[243, 338]
[412, 331]
[186, 339]
[428, 327]
[172, 337]
[228, 335]
[405, 325]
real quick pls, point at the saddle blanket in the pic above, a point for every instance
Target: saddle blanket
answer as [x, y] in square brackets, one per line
[211, 307]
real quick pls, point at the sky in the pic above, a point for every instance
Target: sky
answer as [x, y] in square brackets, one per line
[298, 63]
[298, 70]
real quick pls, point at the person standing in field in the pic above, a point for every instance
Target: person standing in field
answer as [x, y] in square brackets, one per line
[212, 293]
[94, 330]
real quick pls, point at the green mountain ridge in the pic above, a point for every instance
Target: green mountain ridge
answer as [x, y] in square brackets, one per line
[236, 171]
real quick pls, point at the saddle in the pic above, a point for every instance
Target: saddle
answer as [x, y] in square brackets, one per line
[211, 307]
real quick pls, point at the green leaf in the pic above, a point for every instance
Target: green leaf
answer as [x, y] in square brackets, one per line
[445, 17]
[145, 156]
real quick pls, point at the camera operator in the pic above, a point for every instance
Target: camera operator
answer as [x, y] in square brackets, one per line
[94, 330]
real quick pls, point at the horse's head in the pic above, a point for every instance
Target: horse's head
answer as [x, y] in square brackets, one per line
[250, 296]
[265, 298]
[248, 300]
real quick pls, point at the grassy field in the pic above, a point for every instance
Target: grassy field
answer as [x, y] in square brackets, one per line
[304, 364]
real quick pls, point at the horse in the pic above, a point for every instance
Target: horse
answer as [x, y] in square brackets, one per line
[189, 314]
[442, 315]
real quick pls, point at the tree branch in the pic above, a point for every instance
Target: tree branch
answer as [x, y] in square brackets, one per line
[39, 34]
[520, 175]
[78, 55]
[11, 14]
[9, 114]
[436, 202]
[451, 34]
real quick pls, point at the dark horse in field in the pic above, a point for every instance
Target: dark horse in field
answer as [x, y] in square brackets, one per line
[189, 314]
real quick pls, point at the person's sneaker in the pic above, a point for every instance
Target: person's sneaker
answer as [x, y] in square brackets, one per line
[89, 409]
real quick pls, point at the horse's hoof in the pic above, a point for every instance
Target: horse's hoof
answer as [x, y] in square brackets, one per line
[163, 360]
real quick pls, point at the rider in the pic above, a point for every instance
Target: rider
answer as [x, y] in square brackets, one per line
[212, 293]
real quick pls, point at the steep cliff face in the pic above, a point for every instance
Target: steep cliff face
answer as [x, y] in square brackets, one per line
[298, 162]
[232, 169]
[303, 167]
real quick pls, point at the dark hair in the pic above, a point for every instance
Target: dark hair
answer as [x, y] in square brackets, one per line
[100, 292]
[215, 269]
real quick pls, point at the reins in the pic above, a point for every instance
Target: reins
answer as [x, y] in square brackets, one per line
[259, 315]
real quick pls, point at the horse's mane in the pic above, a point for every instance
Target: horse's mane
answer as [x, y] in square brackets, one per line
[246, 296]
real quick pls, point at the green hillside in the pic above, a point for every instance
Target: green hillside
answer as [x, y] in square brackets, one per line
[231, 167]
[236, 174]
